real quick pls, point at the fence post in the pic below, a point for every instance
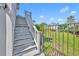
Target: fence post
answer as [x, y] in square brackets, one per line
[74, 39]
[63, 41]
[58, 38]
[38, 41]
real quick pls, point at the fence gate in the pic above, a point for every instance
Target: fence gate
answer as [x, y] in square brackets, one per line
[61, 39]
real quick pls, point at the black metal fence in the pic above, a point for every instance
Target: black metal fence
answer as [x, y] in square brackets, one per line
[61, 39]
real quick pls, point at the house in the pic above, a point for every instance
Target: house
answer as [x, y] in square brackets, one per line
[18, 35]
[52, 26]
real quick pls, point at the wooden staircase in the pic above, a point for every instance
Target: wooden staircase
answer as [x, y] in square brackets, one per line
[24, 43]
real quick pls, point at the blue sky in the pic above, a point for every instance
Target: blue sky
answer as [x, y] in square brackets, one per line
[50, 12]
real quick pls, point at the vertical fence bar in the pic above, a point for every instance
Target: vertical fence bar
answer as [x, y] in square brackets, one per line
[58, 38]
[43, 38]
[49, 38]
[78, 35]
[67, 38]
[52, 38]
[48, 34]
[73, 39]
[55, 36]
[55, 40]
[42, 42]
[63, 41]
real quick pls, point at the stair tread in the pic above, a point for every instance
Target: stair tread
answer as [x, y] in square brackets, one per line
[27, 50]
[23, 25]
[22, 40]
[31, 53]
[21, 31]
[23, 45]
[23, 36]
[17, 44]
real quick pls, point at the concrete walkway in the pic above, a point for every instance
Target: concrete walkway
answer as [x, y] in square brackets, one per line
[41, 54]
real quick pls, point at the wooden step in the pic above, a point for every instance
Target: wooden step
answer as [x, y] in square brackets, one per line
[21, 28]
[23, 36]
[22, 42]
[24, 49]
[23, 45]
[21, 25]
[21, 31]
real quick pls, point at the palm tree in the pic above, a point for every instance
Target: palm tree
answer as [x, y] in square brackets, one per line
[33, 21]
[70, 19]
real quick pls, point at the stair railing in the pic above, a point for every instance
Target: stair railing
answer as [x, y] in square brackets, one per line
[35, 33]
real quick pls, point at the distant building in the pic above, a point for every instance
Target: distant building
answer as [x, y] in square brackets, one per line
[53, 26]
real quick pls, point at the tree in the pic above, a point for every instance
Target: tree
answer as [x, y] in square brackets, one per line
[62, 26]
[78, 21]
[34, 21]
[70, 19]
[41, 26]
[37, 26]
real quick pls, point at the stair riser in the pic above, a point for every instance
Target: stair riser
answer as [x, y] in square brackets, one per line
[21, 46]
[23, 41]
[20, 21]
[24, 52]
[23, 49]
[21, 28]
[23, 37]
[22, 31]
[17, 44]
[21, 34]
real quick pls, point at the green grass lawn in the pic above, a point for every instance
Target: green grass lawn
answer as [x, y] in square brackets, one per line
[49, 41]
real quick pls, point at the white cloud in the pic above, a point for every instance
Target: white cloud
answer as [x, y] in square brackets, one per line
[73, 12]
[59, 20]
[51, 18]
[77, 7]
[55, 20]
[41, 16]
[66, 8]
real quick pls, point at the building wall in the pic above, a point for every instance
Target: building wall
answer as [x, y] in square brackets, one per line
[2, 32]
[10, 25]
